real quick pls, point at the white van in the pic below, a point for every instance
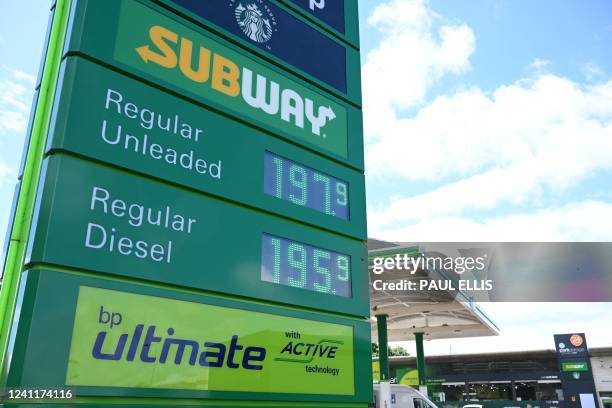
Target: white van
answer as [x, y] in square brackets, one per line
[403, 396]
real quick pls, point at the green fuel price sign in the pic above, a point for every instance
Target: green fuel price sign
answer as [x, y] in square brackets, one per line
[102, 336]
[194, 227]
[106, 116]
[121, 224]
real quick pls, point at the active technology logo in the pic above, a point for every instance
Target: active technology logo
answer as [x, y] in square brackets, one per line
[299, 352]
[254, 24]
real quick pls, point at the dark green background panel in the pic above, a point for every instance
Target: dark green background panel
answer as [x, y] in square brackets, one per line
[221, 253]
[43, 338]
[217, 261]
[80, 114]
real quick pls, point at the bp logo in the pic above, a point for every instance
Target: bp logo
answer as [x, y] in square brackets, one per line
[255, 19]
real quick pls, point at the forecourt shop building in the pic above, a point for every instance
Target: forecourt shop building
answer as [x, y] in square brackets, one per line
[501, 379]
[189, 220]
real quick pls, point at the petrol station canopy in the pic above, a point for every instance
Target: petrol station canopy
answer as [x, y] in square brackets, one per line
[437, 314]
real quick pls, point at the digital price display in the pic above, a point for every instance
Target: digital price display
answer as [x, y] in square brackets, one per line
[306, 187]
[299, 265]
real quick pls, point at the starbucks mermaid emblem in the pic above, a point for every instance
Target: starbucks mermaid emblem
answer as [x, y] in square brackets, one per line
[256, 21]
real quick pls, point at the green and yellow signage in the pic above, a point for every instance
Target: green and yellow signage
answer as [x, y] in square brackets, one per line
[190, 222]
[136, 341]
[572, 366]
[103, 335]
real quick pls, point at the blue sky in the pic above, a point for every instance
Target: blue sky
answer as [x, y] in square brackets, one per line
[20, 52]
[485, 120]
[510, 34]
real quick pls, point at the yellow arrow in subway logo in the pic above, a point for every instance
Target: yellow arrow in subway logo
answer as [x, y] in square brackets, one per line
[159, 36]
[171, 51]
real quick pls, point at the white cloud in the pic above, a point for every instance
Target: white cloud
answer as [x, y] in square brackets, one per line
[539, 65]
[548, 118]
[6, 173]
[517, 146]
[575, 222]
[592, 71]
[5, 170]
[19, 75]
[16, 88]
[412, 56]
[528, 139]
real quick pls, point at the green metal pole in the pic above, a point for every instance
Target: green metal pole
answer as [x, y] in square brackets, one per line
[31, 175]
[383, 347]
[418, 337]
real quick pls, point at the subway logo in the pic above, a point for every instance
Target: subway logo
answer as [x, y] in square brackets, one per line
[227, 77]
[212, 72]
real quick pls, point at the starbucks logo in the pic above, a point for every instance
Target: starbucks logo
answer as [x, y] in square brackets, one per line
[256, 22]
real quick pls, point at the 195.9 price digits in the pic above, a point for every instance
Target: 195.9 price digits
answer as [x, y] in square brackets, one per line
[303, 266]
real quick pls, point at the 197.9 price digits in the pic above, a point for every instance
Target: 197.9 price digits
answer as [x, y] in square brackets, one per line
[305, 187]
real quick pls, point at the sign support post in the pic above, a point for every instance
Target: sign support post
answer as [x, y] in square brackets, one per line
[383, 347]
[33, 163]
